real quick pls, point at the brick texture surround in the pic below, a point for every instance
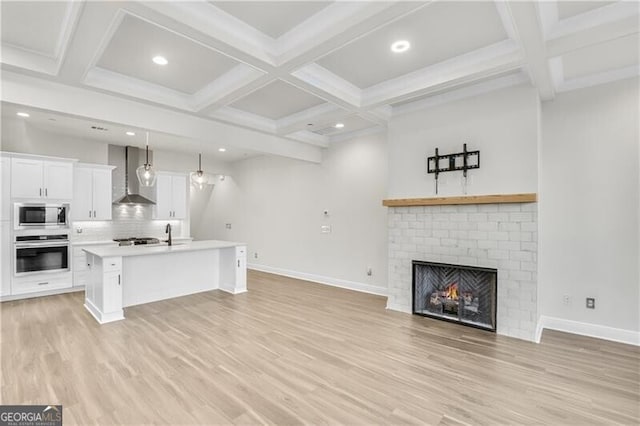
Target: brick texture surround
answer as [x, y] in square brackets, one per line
[501, 236]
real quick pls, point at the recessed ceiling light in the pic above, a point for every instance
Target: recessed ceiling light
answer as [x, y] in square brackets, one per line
[22, 114]
[400, 46]
[160, 60]
[339, 125]
[130, 133]
[222, 149]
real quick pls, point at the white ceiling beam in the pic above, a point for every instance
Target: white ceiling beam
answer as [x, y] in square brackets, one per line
[225, 89]
[244, 119]
[38, 93]
[526, 22]
[222, 29]
[310, 138]
[592, 35]
[617, 11]
[110, 81]
[17, 57]
[94, 30]
[321, 81]
[336, 25]
[475, 66]
[317, 115]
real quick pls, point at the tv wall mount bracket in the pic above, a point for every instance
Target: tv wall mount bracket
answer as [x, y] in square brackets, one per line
[465, 160]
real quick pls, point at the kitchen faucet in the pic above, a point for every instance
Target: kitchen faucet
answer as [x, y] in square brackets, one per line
[168, 231]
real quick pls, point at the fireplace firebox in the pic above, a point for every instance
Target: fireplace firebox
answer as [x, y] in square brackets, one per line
[458, 293]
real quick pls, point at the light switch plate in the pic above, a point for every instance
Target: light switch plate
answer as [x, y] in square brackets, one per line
[325, 229]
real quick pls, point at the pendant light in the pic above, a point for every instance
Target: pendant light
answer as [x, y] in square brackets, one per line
[146, 173]
[199, 178]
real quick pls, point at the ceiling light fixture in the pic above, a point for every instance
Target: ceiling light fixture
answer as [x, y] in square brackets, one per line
[199, 178]
[22, 114]
[222, 149]
[400, 46]
[146, 174]
[130, 133]
[339, 125]
[160, 60]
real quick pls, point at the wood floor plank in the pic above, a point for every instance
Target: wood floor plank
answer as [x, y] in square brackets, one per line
[292, 352]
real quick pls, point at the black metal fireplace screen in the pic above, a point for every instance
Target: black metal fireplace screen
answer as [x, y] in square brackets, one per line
[463, 294]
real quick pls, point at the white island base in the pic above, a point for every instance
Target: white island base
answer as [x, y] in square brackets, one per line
[127, 276]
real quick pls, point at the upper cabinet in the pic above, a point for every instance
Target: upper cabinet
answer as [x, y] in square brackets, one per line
[41, 179]
[92, 192]
[171, 196]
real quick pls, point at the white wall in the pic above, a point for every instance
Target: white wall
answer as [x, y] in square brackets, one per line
[276, 206]
[589, 198]
[503, 125]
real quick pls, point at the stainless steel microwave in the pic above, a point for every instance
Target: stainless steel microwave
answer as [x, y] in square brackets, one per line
[40, 215]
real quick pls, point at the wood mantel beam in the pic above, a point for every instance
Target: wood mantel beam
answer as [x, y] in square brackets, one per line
[465, 199]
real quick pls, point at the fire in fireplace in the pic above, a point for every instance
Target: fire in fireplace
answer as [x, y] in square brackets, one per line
[457, 293]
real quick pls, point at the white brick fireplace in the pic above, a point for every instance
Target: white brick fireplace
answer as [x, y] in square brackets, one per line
[501, 236]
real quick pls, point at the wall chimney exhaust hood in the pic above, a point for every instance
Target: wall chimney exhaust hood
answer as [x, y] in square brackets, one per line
[130, 162]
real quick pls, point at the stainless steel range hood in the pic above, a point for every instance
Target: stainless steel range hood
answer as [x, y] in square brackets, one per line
[129, 163]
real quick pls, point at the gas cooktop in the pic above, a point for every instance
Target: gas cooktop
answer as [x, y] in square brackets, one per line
[136, 241]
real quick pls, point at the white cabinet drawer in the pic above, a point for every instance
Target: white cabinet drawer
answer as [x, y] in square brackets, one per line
[241, 252]
[112, 264]
[44, 283]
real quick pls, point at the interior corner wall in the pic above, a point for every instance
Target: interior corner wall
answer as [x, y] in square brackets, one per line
[276, 205]
[589, 206]
[502, 124]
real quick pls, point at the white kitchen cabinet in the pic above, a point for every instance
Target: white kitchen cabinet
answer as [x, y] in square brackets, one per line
[171, 196]
[41, 179]
[103, 294]
[6, 255]
[80, 266]
[92, 193]
[5, 188]
[233, 276]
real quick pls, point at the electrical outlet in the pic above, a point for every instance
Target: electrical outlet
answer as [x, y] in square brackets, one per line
[228, 226]
[255, 255]
[591, 303]
[566, 300]
[369, 271]
[325, 229]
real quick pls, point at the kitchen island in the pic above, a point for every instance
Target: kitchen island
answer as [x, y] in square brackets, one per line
[128, 276]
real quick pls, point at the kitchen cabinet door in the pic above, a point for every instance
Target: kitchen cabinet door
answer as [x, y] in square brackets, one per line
[164, 205]
[82, 208]
[112, 288]
[101, 190]
[58, 180]
[26, 178]
[179, 197]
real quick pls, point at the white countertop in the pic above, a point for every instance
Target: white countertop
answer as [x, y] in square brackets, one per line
[92, 243]
[143, 250]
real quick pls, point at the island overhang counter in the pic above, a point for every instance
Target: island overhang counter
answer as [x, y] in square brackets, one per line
[127, 276]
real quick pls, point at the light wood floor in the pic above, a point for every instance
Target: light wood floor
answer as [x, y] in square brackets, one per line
[290, 352]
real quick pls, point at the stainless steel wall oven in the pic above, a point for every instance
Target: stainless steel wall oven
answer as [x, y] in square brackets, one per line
[36, 254]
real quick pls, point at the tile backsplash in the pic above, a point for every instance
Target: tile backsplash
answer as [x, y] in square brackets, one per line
[128, 221]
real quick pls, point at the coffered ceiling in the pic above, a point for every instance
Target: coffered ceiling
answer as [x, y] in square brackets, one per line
[276, 77]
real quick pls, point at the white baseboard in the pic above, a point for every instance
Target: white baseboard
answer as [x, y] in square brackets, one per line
[399, 308]
[334, 282]
[585, 329]
[9, 298]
